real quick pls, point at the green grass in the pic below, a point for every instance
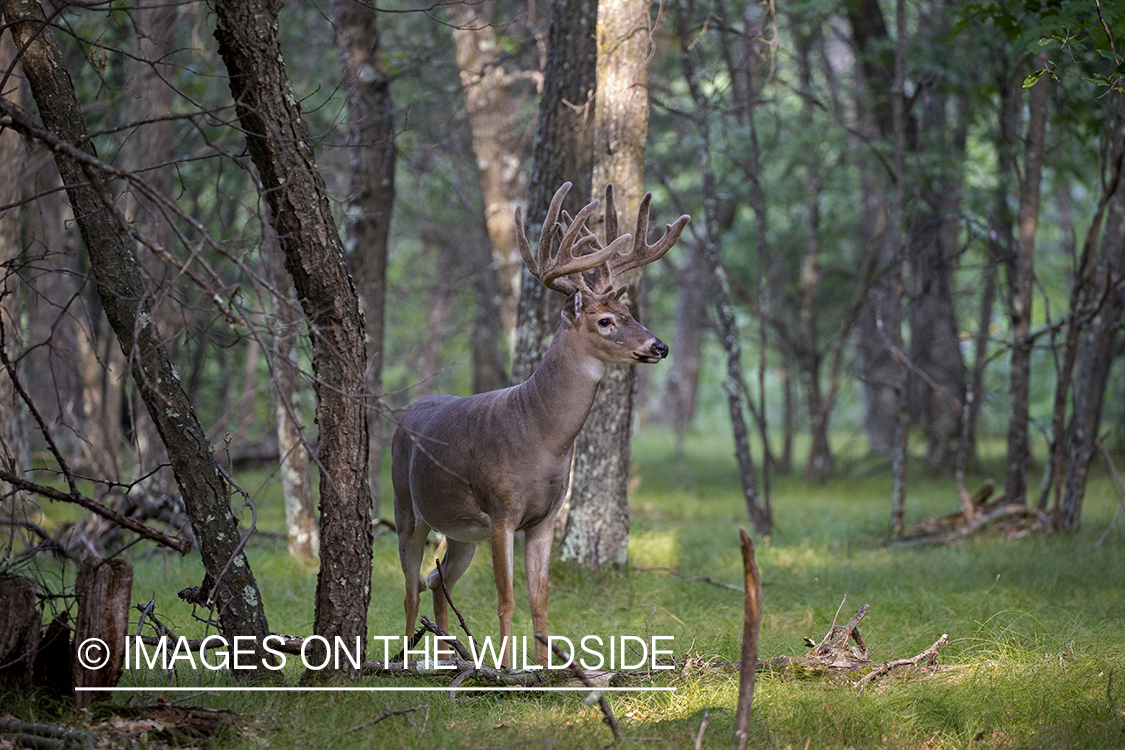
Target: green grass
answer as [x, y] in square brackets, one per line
[1036, 625]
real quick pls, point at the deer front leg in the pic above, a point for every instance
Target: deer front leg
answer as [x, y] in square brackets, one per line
[502, 535]
[537, 559]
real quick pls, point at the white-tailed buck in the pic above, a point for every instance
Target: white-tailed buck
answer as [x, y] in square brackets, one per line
[482, 468]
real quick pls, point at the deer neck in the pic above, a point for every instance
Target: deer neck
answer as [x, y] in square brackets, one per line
[560, 392]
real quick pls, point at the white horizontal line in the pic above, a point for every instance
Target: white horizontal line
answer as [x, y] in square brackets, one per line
[352, 689]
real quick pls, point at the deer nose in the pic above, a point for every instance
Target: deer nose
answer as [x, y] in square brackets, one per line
[660, 349]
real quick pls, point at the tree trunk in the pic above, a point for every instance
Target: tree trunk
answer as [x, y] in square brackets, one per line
[371, 198]
[895, 239]
[734, 384]
[681, 388]
[1099, 297]
[296, 483]
[104, 589]
[277, 139]
[123, 296]
[563, 151]
[154, 144]
[20, 622]
[493, 115]
[597, 525]
[1022, 288]
[935, 347]
[15, 451]
[820, 464]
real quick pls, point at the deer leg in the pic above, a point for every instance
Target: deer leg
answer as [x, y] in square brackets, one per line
[502, 570]
[458, 555]
[412, 533]
[537, 559]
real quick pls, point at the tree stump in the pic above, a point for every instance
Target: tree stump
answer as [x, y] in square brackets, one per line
[104, 589]
[19, 633]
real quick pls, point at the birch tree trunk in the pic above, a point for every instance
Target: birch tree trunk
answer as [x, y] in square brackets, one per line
[597, 526]
[277, 139]
[126, 303]
[301, 527]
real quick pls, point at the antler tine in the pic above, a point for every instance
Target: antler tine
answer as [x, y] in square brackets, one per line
[562, 270]
[642, 252]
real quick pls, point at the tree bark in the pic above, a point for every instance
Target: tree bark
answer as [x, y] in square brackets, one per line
[1099, 297]
[597, 525]
[15, 451]
[126, 303]
[104, 589]
[371, 198]
[301, 526]
[277, 139]
[563, 151]
[493, 115]
[1022, 285]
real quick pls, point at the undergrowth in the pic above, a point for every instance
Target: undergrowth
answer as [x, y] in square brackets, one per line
[1035, 625]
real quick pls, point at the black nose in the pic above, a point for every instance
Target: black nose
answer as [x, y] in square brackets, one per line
[660, 349]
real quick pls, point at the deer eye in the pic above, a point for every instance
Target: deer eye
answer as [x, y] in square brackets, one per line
[605, 322]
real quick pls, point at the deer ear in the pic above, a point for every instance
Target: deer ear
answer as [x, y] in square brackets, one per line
[572, 307]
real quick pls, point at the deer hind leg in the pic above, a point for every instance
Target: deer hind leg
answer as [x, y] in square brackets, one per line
[458, 555]
[412, 533]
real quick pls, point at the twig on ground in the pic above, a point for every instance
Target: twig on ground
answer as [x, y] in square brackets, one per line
[702, 729]
[389, 713]
[929, 656]
[449, 599]
[603, 702]
[690, 579]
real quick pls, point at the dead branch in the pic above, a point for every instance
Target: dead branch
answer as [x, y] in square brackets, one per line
[690, 578]
[180, 545]
[44, 735]
[389, 713]
[751, 622]
[929, 656]
[979, 513]
[702, 729]
[445, 592]
[603, 702]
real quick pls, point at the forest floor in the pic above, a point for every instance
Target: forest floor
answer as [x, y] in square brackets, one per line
[1035, 624]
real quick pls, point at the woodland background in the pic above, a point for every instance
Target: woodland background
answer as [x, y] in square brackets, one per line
[907, 248]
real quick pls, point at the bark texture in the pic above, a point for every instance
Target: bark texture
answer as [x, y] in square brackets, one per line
[563, 152]
[597, 526]
[126, 303]
[296, 484]
[14, 449]
[493, 113]
[277, 139]
[370, 199]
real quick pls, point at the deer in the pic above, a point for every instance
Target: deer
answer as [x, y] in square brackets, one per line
[482, 467]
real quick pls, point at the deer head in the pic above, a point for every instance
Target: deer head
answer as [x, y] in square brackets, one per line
[585, 270]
